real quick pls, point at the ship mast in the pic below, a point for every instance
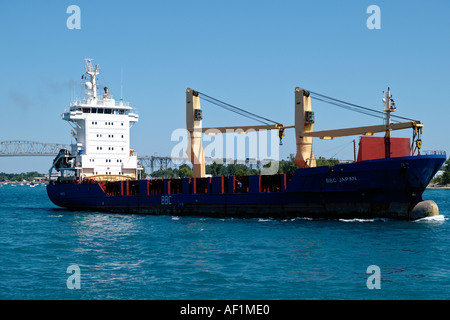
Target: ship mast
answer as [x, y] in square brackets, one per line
[389, 106]
[91, 86]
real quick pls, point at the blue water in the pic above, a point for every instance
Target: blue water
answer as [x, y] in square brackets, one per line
[166, 257]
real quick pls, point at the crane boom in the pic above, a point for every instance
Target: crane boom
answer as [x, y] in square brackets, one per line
[244, 129]
[367, 130]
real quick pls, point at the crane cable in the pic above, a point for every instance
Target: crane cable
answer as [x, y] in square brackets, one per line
[314, 95]
[352, 106]
[237, 110]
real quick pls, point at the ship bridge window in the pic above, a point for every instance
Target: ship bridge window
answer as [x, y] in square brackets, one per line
[108, 111]
[86, 110]
[100, 110]
[94, 110]
[121, 111]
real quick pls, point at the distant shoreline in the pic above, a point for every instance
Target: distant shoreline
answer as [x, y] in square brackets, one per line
[438, 186]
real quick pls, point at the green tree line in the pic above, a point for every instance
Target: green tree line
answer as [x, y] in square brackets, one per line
[28, 176]
[217, 169]
[445, 177]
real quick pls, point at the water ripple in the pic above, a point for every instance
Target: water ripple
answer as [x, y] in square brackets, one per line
[171, 257]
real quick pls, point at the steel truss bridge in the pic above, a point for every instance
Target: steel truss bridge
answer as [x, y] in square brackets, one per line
[19, 148]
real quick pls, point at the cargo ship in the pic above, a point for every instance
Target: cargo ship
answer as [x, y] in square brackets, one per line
[102, 173]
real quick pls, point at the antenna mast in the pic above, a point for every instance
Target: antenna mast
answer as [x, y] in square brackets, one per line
[91, 86]
[389, 106]
[121, 84]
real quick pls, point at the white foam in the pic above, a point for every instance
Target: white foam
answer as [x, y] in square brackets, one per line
[362, 220]
[438, 218]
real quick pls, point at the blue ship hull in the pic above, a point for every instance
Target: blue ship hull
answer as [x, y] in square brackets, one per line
[366, 189]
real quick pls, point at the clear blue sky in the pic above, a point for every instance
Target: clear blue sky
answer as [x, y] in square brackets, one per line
[249, 53]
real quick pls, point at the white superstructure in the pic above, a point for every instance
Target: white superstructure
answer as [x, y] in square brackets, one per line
[101, 130]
